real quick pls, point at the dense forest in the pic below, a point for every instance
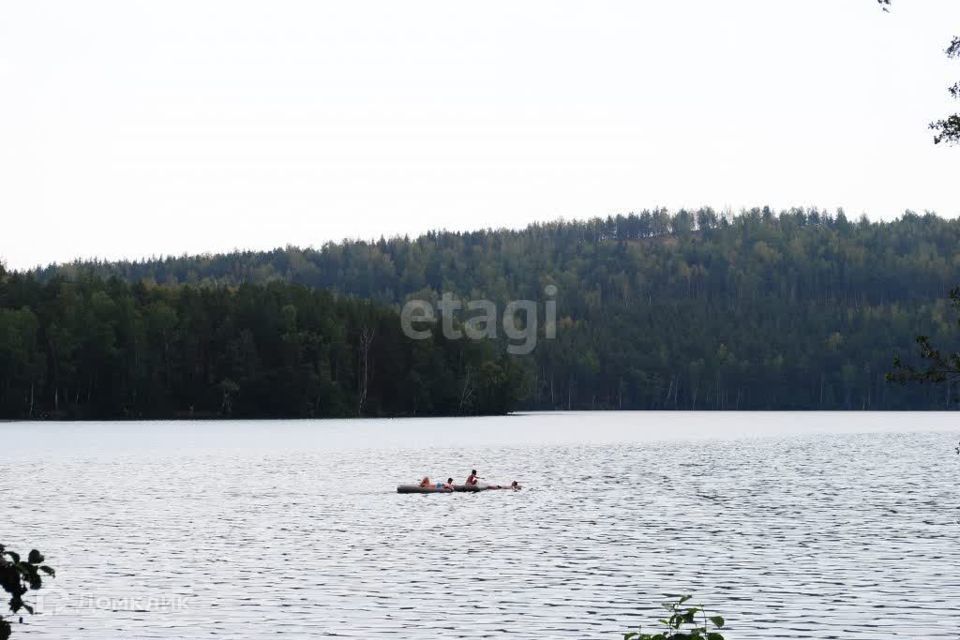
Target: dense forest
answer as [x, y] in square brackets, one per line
[800, 309]
[95, 348]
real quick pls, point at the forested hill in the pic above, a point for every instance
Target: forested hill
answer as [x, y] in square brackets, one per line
[794, 256]
[92, 348]
[691, 310]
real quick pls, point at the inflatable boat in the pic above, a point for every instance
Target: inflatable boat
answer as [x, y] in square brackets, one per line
[467, 488]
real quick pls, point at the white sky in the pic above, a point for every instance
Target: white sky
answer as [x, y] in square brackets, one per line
[130, 129]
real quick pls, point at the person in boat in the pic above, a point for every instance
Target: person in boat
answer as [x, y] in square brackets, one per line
[450, 483]
[439, 486]
[472, 479]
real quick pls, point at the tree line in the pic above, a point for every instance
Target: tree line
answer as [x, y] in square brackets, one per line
[799, 309]
[89, 347]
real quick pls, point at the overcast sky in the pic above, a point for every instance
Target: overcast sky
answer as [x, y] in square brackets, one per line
[131, 129]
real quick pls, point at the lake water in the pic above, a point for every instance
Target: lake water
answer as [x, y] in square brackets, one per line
[790, 525]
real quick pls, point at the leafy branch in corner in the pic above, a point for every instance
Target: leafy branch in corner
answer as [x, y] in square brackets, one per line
[946, 129]
[684, 623]
[939, 367]
[16, 578]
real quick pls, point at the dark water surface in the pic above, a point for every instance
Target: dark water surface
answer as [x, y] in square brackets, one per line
[791, 525]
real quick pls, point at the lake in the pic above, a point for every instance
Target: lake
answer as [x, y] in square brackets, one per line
[790, 525]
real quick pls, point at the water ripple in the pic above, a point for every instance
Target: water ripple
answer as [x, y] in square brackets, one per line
[796, 535]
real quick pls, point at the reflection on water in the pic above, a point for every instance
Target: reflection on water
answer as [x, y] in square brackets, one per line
[829, 525]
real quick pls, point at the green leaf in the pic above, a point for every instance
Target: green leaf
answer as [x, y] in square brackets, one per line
[48, 570]
[13, 556]
[682, 623]
[34, 557]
